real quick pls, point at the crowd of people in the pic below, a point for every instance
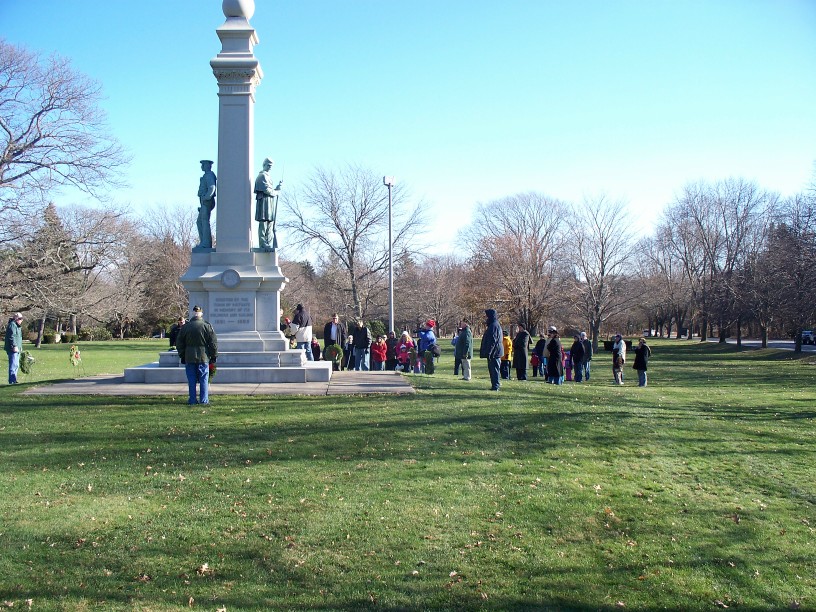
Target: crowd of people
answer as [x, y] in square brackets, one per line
[354, 348]
[548, 357]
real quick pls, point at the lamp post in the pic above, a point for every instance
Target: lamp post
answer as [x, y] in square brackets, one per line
[388, 181]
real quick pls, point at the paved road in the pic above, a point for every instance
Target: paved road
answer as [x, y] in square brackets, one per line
[777, 344]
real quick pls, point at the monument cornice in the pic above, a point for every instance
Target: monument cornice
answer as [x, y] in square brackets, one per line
[232, 77]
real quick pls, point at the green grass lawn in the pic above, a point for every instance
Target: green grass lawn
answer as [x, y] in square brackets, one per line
[695, 493]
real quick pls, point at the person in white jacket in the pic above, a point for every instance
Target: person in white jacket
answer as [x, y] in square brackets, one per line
[302, 326]
[618, 358]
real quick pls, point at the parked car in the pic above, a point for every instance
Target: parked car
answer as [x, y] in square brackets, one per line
[808, 337]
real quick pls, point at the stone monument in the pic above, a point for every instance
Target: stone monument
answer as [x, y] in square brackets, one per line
[237, 283]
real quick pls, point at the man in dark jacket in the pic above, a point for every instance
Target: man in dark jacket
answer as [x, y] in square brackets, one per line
[391, 351]
[362, 346]
[492, 348]
[174, 331]
[197, 347]
[577, 357]
[14, 345]
[334, 332]
[521, 345]
[538, 351]
[463, 350]
[555, 357]
[587, 355]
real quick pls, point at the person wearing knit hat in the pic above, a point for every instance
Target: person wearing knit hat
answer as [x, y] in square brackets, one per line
[492, 348]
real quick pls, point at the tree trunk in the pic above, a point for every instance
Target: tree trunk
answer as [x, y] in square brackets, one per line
[40, 331]
[595, 328]
[739, 333]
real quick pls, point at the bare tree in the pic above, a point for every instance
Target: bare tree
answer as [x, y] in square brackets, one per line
[514, 263]
[52, 134]
[344, 216]
[52, 131]
[711, 228]
[52, 272]
[790, 264]
[670, 287]
[128, 276]
[442, 281]
[601, 248]
[170, 231]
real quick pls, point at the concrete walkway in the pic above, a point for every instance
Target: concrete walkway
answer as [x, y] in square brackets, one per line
[342, 383]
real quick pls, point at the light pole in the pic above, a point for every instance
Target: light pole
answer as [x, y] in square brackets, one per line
[388, 181]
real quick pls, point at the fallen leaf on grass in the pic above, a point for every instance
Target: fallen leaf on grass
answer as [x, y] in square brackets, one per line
[205, 570]
[720, 604]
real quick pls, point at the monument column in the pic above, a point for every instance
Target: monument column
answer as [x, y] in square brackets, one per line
[238, 286]
[238, 73]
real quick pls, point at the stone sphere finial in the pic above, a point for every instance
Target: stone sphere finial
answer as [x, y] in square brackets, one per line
[238, 8]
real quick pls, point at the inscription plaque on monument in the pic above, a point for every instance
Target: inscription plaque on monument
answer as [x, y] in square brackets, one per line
[232, 312]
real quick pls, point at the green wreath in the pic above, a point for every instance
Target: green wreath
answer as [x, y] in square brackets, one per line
[333, 353]
[26, 361]
[428, 358]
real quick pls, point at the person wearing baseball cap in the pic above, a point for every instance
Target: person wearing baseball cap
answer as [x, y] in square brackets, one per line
[14, 345]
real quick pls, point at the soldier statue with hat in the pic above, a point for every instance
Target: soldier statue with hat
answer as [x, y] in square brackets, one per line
[206, 198]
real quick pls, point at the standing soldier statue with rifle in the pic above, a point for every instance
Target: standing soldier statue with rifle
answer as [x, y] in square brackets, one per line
[206, 200]
[266, 207]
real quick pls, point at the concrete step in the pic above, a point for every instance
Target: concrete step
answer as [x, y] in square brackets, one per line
[311, 371]
[290, 358]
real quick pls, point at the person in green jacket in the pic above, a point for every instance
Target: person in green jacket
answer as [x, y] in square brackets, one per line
[14, 345]
[197, 346]
[464, 348]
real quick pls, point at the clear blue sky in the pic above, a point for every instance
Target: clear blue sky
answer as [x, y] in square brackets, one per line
[463, 100]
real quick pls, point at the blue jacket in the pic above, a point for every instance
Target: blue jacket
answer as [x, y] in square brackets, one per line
[492, 340]
[426, 339]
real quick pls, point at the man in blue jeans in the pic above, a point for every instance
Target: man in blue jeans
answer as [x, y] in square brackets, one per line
[14, 345]
[362, 346]
[197, 347]
[492, 348]
[586, 362]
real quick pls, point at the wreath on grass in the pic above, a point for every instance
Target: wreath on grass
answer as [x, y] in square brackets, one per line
[26, 362]
[75, 356]
[333, 353]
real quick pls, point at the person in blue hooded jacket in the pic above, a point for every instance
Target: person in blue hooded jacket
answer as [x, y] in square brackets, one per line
[492, 348]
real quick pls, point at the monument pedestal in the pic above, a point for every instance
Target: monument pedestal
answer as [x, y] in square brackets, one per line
[240, 296]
